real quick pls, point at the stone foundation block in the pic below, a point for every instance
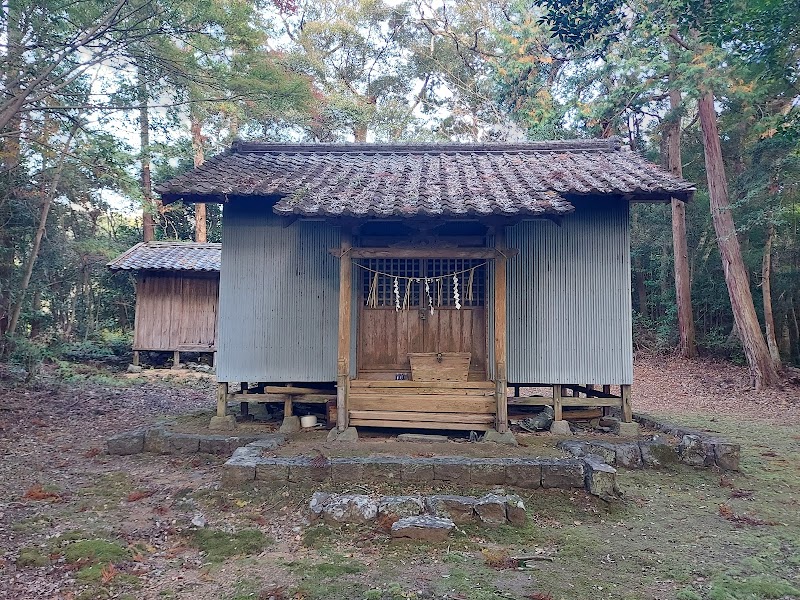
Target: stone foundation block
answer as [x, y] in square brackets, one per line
[182, 443]
[657, 453]
[417, 471]
[560, 428]
[350, 508]
[491, 509]
[601, 478]
[487, 473]
[524, 474]
[563, 474]
[605, 450]
[507, 438]
[349, 434]
[515, 510]
[422, 529]
[290, 425]
[125, 443]
[347, 470]
[273, 473]
[239, 473]
[695, 451]
[628, 430]
[401, 506]
[726, 455]
[302, 472]
[155, 440]
[460, 509]
[218, 444]
[451, 470]
[629, 455]
[383, 469]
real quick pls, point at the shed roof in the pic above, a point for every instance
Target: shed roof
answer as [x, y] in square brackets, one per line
[169, 256]
[386, 180]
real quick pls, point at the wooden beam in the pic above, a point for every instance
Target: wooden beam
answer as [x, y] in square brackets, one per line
[421, 425]
[291, 390]
[591, 402]
[410, 384]
[274, 398]
[444, 418]
[501, 381]
[530, 401]
[135, 358]
[345, 311]
[222, 399]
[627, 412]
[473, 253]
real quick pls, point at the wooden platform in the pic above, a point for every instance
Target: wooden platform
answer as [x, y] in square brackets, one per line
[458, 405]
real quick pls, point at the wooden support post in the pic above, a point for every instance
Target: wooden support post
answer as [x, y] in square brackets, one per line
[606, 389]
[501, 392]
[557, 409]
[627, 412]
[176, 359]
[222, 399]
[345, 309]
[288, 406]
[135, 358]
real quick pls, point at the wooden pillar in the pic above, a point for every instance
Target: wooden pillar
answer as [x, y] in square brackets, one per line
[222, 399]
[288, 406]
[627, 412]
[176, 359]
[606, 389]
[557, 409]
[135, 358]
[500, 374]
[345, 310]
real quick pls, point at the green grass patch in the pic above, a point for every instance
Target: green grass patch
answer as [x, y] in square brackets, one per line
[32, 557]
[96, 552]
[220, 545]
[751, 588]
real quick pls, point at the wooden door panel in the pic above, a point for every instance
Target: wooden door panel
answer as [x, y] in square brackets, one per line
[386, 337]
[450, 330]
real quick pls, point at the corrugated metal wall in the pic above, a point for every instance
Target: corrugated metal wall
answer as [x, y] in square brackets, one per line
[279, 298]
[569, 302]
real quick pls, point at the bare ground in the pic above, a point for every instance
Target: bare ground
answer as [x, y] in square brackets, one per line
[679, 533]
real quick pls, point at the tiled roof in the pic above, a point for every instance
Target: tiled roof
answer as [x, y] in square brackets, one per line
[169, 256]
[376, 180]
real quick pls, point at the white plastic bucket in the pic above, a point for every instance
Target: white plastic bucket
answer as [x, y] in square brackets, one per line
[308, 421]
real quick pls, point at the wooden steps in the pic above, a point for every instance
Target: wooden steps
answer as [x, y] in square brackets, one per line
[462, 405]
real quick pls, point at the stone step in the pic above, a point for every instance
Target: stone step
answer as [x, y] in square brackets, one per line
[247, 466]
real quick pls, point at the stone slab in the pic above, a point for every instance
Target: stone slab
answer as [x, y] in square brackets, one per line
[491, 509]
[422, 438]
[524, 474]
[126, 442]
[460, 509]
[487, 472]
[423, 528]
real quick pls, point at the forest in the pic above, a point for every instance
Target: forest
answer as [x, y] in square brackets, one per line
[104, 99]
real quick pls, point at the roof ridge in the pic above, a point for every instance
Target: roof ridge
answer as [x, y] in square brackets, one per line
[265, 147]
[180, 243]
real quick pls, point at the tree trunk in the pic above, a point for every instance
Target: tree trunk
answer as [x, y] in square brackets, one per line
[680, 250]
[47, 201]
[766, 293]
[200, 224]
[148, 224]
[762, 369]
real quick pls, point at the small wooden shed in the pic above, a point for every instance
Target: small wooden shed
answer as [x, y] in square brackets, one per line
[177, 295]
[424, 285]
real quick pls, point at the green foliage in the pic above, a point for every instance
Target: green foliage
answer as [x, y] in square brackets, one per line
[32, 557]
[27, 354]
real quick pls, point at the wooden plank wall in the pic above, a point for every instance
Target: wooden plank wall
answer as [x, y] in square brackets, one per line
[175, 310]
